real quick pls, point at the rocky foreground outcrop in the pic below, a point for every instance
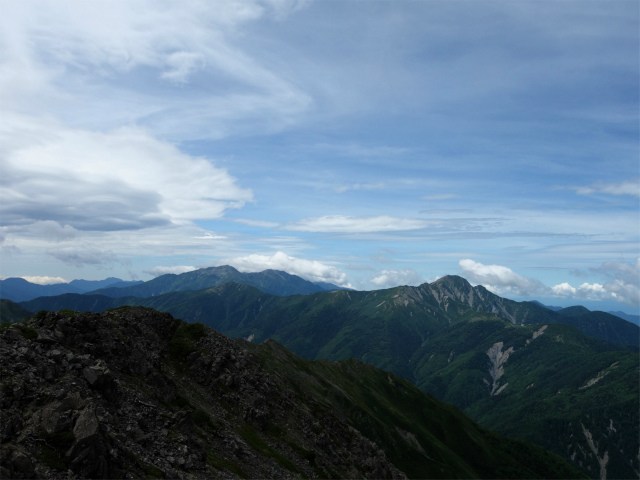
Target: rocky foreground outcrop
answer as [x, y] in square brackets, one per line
[99, 395]
[134, 393]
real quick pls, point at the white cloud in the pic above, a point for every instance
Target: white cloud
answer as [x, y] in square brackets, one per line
[500, 280]
[624, 292]
[392, 278]
[211, 236]
[176, 270]
[563, 290]
[121, 180]
[44, 280]
[311, 270]
[347, 224]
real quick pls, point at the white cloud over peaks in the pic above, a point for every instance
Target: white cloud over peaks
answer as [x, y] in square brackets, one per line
[500, 280]
[623, 284]
[392, 278]
[563, 290]
[176, 270]
[44, 280]
[347, 224]
[311, 270]
[65, 180]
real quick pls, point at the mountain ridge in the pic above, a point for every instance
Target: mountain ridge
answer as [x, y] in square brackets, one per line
[419, 333]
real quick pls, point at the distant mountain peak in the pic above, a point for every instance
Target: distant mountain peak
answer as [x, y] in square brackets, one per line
[574, 311]
[220, 269]
[452, 281]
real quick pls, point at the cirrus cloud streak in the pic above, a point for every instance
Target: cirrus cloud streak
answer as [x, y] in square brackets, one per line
[365, 224]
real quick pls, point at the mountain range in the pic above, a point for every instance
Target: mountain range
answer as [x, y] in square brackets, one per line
[268, 281]
[274, 282]
[566, 380]
[135, 393]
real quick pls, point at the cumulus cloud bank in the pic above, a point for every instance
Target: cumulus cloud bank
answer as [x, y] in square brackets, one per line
[311, 270]
[64, 180]
[44, 280]
[623, 285]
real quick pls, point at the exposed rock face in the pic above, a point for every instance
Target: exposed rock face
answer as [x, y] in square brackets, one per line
[135, 393]
[497, 359]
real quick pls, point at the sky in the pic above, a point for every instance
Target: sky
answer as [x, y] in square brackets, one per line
[367, 144]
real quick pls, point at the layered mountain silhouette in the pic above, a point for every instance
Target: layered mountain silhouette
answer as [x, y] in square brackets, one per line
[566, 380]
[274, 282]
[20, 290]
[134, 393]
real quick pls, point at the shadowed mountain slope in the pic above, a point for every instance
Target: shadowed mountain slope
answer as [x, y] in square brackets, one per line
[12, 312]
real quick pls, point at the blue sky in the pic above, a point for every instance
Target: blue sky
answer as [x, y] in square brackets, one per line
[364, 143]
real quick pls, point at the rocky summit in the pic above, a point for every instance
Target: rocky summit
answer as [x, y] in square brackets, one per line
[135, 393]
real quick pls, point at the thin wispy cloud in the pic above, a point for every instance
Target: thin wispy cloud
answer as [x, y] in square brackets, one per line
[347, 224]
[84, 255]
[359, 186]
[628, 187]
[254, 223]
[444, 196]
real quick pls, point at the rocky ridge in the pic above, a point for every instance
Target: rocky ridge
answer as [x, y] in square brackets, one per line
[92, 396]
[135, 393]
